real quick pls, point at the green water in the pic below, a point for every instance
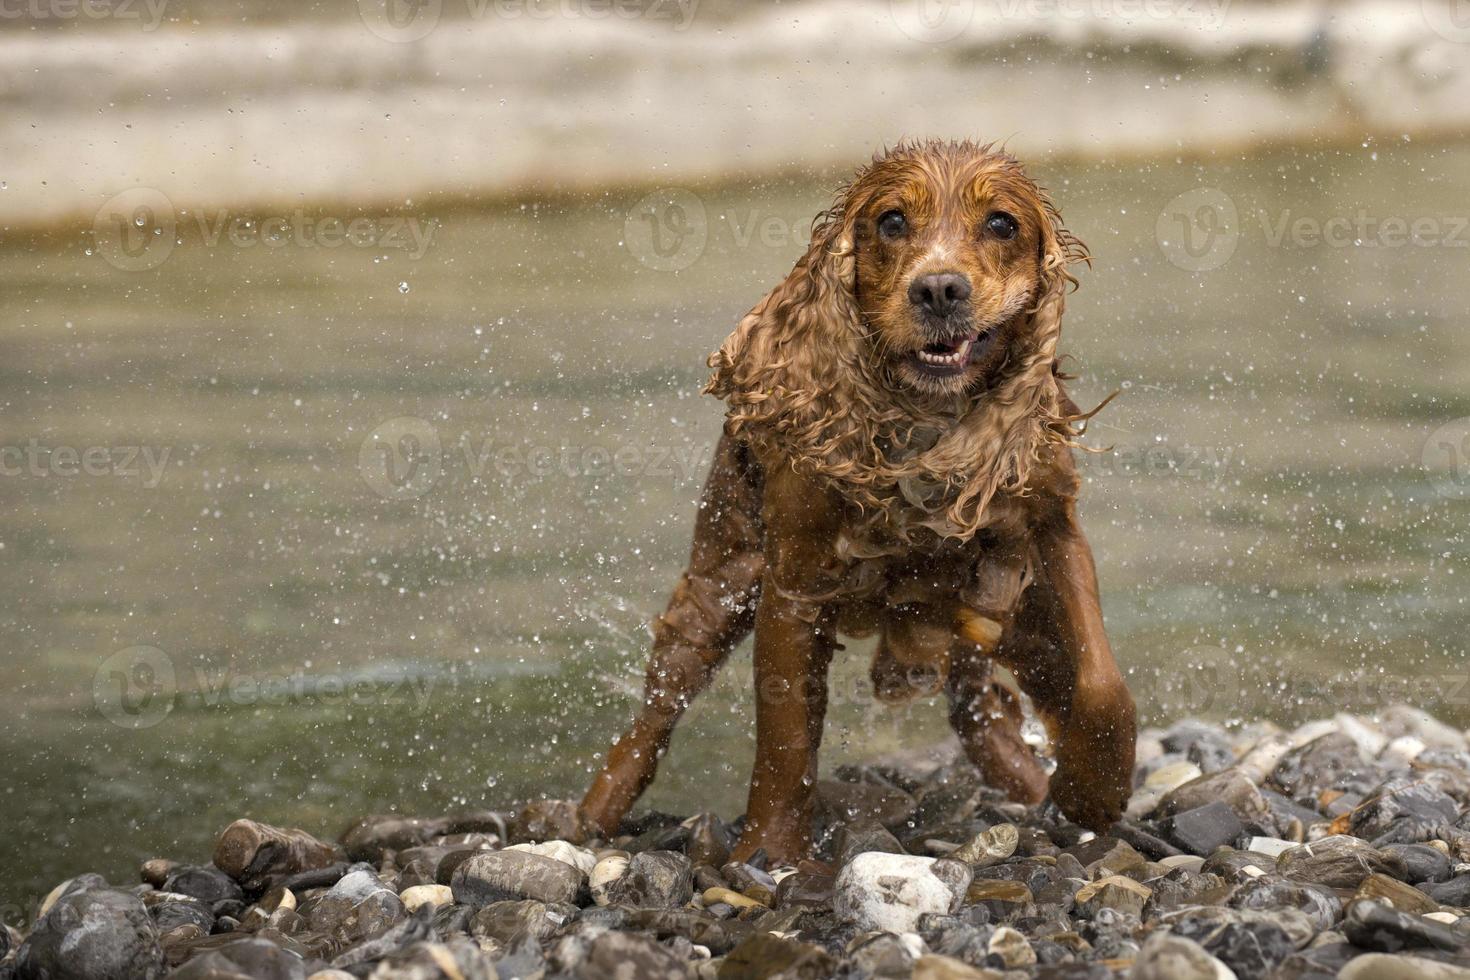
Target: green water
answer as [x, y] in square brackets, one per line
[1270, 541]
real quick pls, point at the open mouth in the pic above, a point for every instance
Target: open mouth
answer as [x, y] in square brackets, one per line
[952, 356]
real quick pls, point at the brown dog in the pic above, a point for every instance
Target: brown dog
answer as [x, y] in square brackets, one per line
[897, 458]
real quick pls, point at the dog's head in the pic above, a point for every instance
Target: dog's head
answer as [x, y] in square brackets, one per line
[927, 306]
[954, 246]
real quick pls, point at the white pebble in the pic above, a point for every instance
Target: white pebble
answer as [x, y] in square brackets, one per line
[435, 895]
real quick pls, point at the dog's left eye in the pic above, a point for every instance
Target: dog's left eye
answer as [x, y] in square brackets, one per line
[1002, 225]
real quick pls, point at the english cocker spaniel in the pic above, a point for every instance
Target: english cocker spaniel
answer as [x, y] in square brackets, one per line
[897, 459]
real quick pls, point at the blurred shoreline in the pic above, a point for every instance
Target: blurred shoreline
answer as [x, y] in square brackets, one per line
[361, 112]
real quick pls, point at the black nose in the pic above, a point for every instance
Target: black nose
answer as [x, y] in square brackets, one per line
[939, 294]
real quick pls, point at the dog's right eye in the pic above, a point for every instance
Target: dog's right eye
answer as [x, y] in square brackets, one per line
[892, 224]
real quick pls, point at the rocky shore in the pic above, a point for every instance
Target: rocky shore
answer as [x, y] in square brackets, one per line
[1339, 849]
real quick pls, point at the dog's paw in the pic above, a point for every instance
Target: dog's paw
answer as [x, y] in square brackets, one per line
[1094, 776]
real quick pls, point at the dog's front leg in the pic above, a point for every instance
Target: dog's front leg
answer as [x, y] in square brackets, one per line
[793, 648]
[1061, 656]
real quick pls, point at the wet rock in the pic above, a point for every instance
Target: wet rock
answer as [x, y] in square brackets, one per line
[697, 927]
[358, 907]
[1230, 787]
[370, 837]
[654, 879]
[493, 876]
[455, 959]
[206, 883]
[1404, 811]
[999, 898]
[1331, 762]
[1103, 856]
[1267, 893]
[1113, 892]
[1251, 948]
[508, 921]
[258, 959]
[544, 820]
[1373, 925]
[431, 895]
[1422, 863]
[763, 955]
[91, 933]
[606, 871]
[627, 955]
[578, 857]
[1169, 957]
[839, 802]
[1203, 829]
[1011, 948]
[882, 955]
[1380, 966]
[1339, 861]
[171, 910]
[251, 853]
[889, 892]
[936, 967]
[805, 890]
[1454, 892]
[989, 846]
[1405, 898]
[710, 840]
[1206, 745]
[863, 837]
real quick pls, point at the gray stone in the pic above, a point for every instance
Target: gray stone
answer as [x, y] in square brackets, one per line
[1374, 925]
[1168, 957]
[654, 879]
[495, 876]
[92, 933]
[1201, 830]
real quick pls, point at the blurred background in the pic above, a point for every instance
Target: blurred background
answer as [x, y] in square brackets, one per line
[350, 357]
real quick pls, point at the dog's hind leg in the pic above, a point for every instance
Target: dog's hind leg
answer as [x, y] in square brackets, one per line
[712, 610]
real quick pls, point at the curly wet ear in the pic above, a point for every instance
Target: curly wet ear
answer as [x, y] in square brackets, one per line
[788, 355]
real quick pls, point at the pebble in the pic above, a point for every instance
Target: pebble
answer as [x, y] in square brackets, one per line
[1013, 948]
[889, 892]
[91, 931]
[654, 879]
[1380, 966]
[1169, 957]
[432, 895]
[492, 876]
